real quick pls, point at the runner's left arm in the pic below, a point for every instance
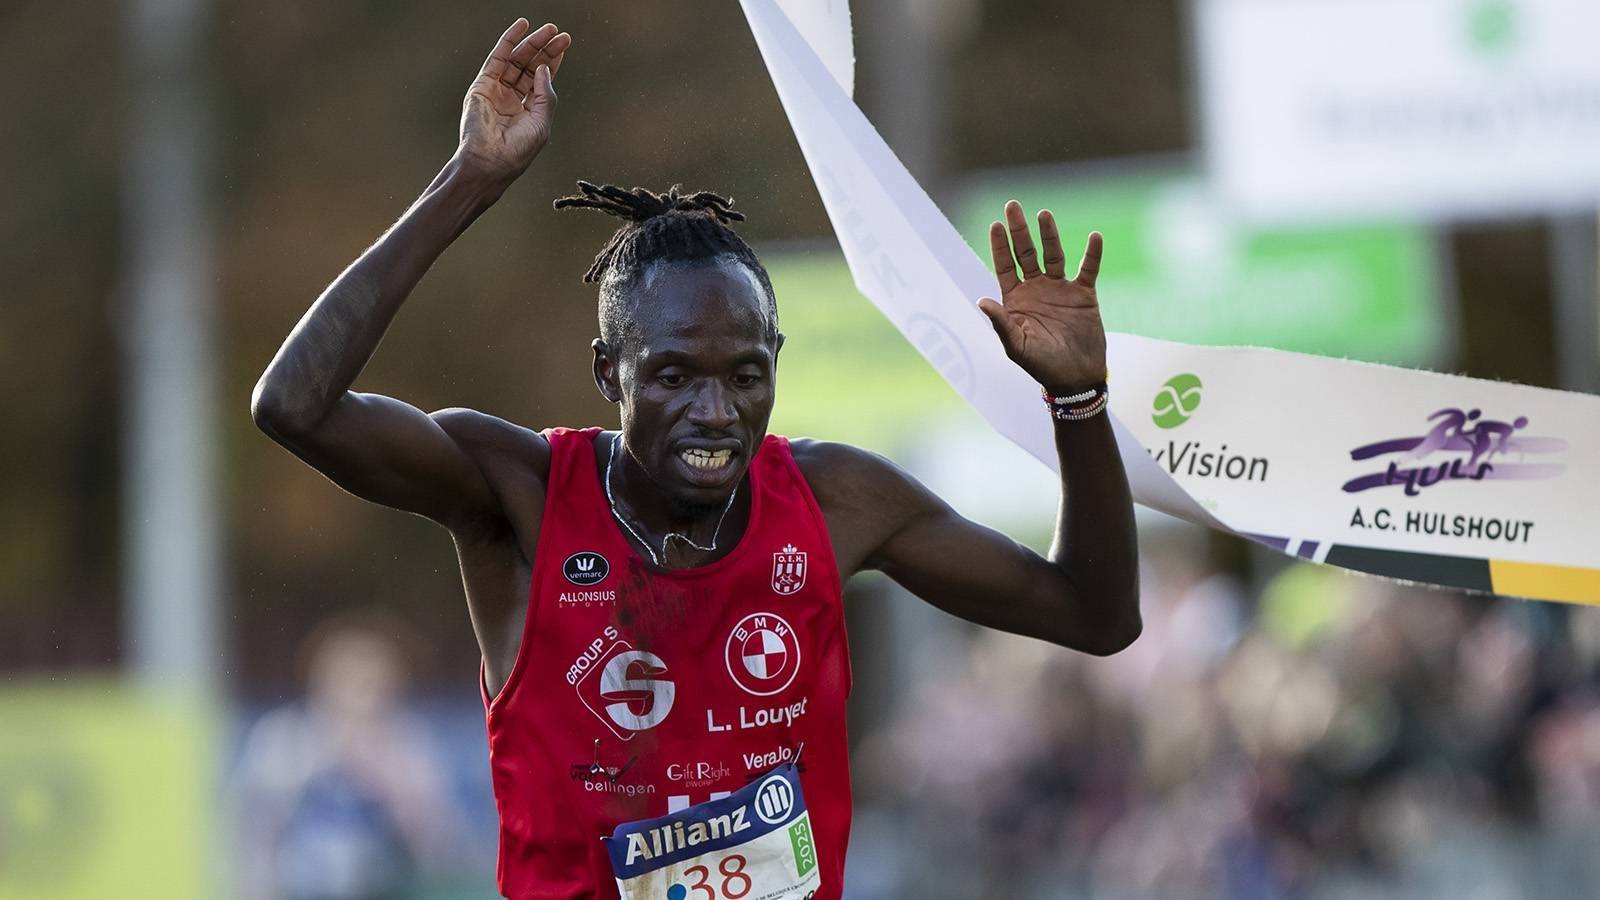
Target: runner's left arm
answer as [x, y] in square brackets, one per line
[1085, 593]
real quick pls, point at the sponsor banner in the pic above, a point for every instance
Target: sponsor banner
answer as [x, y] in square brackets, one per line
[1414, 475]
[1352, 454]
[1442, 108]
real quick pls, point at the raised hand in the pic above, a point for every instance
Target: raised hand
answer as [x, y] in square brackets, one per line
[510, 107]
[1049, 325]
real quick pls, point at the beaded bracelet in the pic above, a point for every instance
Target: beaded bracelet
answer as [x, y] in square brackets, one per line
[1085, 404]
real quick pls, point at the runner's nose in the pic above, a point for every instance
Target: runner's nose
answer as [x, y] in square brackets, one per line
[712, 407]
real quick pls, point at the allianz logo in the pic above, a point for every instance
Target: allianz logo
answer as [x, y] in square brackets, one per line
[775, 800]
[773, 803]
[674, 836]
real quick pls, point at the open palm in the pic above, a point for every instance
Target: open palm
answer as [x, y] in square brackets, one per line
[509, 109]
[1049, 324]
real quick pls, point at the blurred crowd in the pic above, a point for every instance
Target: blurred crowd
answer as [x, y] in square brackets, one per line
[347, 792]
[1326, 736]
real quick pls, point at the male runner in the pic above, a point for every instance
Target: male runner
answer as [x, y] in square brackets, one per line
[659, 607]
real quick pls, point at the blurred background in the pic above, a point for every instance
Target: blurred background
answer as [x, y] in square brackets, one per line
[221, 676]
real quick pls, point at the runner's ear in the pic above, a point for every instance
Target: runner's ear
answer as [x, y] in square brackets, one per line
[605, 372]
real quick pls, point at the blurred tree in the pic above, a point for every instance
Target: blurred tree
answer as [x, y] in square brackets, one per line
[58, 359]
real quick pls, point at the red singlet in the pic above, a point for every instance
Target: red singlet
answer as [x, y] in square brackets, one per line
[693, 681]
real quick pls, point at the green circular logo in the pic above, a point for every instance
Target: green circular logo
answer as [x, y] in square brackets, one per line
[1176, 401]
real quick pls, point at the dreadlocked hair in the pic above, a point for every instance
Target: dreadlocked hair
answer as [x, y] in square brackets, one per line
[667, 227]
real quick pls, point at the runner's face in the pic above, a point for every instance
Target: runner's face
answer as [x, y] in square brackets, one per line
[697, 380]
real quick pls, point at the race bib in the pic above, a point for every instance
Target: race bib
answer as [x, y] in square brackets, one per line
[754, 844]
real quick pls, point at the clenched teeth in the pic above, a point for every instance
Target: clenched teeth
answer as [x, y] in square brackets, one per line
[706, 459]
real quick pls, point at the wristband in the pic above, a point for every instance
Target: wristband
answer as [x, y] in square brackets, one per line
[1085, 404]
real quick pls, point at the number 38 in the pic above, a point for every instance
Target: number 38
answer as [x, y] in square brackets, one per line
[735, 883]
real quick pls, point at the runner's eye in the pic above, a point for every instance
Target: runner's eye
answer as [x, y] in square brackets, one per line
[672, 379]
[746, 379]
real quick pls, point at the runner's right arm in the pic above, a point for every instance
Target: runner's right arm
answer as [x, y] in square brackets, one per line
[376, 447]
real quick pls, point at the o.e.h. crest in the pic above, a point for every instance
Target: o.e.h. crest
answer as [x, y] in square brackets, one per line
[788, 570]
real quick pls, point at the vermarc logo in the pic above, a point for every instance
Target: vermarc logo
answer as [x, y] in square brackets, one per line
[585, 568]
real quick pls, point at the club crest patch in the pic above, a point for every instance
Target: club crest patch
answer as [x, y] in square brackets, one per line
[788, 570]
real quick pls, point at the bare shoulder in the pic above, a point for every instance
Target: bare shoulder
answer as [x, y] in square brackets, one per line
[514, 460]
[865, 496]
[485, 436]
[843, 469]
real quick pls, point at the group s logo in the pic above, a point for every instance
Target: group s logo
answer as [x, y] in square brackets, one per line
[585, 568]
[624, 689]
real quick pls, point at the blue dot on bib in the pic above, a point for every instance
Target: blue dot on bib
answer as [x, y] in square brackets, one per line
[677, 892]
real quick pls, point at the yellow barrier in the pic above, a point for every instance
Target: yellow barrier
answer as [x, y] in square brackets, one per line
[106, 791]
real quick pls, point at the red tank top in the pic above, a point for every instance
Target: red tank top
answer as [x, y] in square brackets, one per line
[693, 682]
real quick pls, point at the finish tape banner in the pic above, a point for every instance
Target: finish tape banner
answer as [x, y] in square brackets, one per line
[1419, 476]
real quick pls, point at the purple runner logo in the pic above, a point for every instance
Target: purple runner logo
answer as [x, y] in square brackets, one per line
[1464, 446]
